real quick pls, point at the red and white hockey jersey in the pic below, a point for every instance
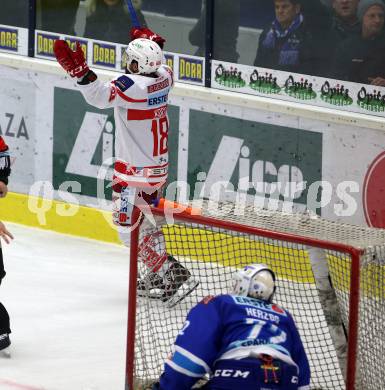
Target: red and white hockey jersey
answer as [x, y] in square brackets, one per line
[141, 124]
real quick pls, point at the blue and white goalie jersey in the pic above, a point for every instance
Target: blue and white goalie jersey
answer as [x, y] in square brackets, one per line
[229, 328]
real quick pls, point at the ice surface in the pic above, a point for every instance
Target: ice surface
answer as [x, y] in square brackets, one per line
[67, 299]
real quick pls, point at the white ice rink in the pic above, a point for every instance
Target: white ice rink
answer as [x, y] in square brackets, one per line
[67, 299]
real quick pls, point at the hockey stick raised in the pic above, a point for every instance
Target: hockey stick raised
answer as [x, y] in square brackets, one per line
[134, 16]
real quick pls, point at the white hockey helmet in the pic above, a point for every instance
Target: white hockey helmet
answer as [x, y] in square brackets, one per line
[146, 53]
[256, 281]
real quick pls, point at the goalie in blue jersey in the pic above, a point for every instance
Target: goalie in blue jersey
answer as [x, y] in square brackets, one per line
[240, 341]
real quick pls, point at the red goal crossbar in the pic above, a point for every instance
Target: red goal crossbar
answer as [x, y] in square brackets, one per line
[203, 221]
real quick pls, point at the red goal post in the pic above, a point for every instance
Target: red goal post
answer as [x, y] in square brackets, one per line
[222, 239]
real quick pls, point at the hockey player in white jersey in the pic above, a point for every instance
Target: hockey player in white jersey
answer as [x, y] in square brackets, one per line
[241, 341]
[139, 99]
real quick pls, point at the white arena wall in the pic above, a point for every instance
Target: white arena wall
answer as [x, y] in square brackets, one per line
[251, 145]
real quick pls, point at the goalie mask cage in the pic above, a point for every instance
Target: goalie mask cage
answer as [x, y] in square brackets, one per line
[340, 317]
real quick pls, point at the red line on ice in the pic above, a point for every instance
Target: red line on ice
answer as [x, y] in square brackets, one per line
[18, 385]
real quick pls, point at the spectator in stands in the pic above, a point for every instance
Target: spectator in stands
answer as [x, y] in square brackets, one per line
[362, 59]
[58, 15]
[108, 20]
[345, 22]
[338, 17]
[226, 24]
[287, 43]
[317, 14]
[330, 24]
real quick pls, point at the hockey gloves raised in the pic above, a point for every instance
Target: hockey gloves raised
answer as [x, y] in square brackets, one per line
[73, 62]
[146, 33]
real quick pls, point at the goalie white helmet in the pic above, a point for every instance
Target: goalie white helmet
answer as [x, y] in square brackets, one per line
[256, 281]
[146, 53]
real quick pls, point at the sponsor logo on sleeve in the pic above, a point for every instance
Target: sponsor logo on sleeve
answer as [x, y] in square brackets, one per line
[190, 69]
[44, 46]
[124, 82]
[104, 55]
[8, 38]
[72, 44]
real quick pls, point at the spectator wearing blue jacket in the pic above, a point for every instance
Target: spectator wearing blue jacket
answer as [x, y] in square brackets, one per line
[287, 43]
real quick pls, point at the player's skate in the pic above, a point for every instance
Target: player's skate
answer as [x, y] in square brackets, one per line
[5, 342]
[178, 283]
[150, 286]
[175, 285]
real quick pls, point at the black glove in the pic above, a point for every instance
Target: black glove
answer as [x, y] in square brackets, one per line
[156, 386]
[5, 168]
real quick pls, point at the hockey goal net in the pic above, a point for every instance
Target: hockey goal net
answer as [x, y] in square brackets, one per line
[331, 277]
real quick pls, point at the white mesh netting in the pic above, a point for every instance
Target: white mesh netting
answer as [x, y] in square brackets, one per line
[211, 254]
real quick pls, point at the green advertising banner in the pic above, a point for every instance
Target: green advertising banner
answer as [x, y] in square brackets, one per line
[234, 150]
[83, 138]
[257, 151]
